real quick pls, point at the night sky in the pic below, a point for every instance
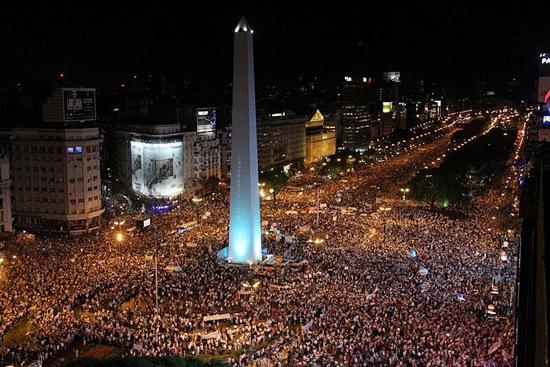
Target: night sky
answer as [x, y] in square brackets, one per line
[104, 43]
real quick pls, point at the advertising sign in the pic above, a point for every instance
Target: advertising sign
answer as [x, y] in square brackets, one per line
[206, 120]
[78, 104]
[543, 89]
[392, 76]
[544, 64]
[387, 107]
[157, 168]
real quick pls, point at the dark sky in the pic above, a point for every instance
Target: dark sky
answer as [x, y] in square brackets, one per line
[106, 42]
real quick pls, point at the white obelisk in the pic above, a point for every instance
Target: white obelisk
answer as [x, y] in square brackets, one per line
[244, 213]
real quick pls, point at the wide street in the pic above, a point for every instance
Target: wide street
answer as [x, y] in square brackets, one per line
[362, 275]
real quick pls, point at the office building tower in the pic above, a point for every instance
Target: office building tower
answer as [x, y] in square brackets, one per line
[356, 104]
[55, 168]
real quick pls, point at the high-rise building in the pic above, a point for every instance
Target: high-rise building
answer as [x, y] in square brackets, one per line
[401, 115]
[281, 140]
[55, 167]
[244, 213]
[6, 219]
[357, 111]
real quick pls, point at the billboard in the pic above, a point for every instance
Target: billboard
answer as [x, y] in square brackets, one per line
[387, 107]
[543, 93]
[78, 104]
[391, 76]
[143, 222]
[206, 120]
[157, 168]
[544, 64]
[546, 116]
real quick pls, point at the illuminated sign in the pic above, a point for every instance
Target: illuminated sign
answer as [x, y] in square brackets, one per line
[544, 66]
[278, 114]
[161, 208]
[157, 168]
[391, 76]
[543, 89]
[206, 120]
[387, 107]
[147, 222]
[78, 104]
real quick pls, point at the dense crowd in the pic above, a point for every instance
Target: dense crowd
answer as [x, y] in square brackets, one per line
[404, 287]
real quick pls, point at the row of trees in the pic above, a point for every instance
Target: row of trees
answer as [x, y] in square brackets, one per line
[340, 163]
[474, 127]
[464, 170]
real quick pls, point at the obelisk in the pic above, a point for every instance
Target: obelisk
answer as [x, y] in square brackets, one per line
[244, 213]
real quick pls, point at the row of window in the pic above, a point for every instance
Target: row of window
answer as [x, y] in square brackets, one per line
[53, 179]
[50, 159]
[51, 149]
[51, 189]
[50, 199]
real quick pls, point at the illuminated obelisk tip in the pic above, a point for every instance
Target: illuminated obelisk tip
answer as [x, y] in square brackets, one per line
[244, 212]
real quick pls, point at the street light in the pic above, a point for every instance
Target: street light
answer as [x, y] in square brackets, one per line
[404, 191]
[119, 237]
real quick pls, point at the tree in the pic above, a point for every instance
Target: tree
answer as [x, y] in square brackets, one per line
[435, 185]
[274, 180]
[211, 185]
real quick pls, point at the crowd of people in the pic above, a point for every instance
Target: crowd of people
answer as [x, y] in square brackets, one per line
[401, 287]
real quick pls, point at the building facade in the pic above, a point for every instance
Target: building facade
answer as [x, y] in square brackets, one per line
[281, 140]
[6, 220]
[320, 140]
[154, 161]
[356, 105]
[56, 179]
[224, 136]
[206, 158]
[55, 165]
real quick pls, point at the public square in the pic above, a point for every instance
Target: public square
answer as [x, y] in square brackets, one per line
[362, 275]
